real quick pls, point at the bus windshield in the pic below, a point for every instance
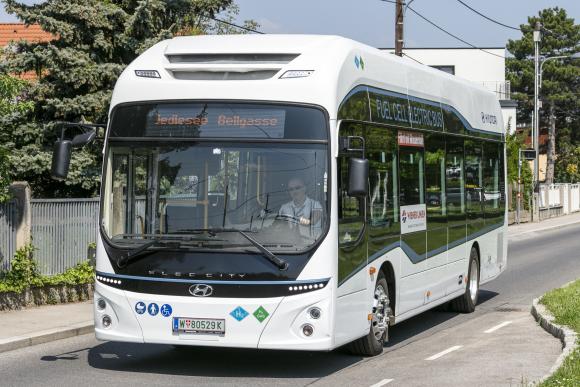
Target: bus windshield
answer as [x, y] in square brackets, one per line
[276, 191]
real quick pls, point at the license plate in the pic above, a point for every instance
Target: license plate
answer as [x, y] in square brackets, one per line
[209, 326]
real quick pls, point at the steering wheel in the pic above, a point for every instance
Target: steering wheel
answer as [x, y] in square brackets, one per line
[287, 218]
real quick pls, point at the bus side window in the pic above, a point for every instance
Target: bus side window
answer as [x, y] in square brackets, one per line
[474, 185]
[436, 199]
[412, 175]
[455, 185]
[383, 203]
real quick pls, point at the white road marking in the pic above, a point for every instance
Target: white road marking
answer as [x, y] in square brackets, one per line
[495, 328]
[443, 353]
[382, 383]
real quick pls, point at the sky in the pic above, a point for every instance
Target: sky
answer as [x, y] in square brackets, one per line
[372, 21]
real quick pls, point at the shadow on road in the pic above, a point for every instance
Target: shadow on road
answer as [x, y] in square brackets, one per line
[431, 319]
[217, 362]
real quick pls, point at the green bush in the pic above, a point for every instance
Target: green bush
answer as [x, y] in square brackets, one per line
[24, 273]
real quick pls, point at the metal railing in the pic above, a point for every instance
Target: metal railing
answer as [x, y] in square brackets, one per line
[9, 219]
[501, 88]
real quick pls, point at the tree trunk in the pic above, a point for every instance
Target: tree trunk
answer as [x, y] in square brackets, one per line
[551, 156]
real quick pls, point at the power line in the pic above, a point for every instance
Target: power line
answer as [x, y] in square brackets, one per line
[487, 17]
[237, 26]
[410, 57]
[453, 36]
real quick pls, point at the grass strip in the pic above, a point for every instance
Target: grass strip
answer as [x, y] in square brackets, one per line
[564, 304]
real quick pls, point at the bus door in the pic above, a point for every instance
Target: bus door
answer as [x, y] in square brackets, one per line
[352, 298]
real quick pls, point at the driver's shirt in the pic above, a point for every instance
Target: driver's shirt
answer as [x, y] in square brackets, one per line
[304, 211]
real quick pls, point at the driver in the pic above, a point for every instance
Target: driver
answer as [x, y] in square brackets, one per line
[305, 211]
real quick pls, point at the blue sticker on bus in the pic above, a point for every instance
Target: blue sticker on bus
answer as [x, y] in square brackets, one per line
[166, 310]
[140, 307]
[153, 309]
[239, 313]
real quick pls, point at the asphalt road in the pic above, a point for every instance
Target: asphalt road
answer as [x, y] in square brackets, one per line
[499, 344]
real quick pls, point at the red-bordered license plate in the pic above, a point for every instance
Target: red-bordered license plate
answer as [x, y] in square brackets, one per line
[206, 326]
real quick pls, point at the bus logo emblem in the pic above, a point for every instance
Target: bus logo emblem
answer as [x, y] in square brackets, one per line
[201, 290]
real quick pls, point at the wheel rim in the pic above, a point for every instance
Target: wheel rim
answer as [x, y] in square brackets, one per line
[473, 281]
[380, 313]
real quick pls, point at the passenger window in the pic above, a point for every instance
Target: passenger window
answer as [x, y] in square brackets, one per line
[455, 187]
[435, 195]
[412, 173]
[491, 183]
[383, 206]
[474, 185]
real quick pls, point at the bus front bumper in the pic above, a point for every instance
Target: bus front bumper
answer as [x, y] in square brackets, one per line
[264, 323]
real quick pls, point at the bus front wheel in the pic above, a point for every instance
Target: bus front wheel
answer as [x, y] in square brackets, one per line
[372, 343]
[466, 303]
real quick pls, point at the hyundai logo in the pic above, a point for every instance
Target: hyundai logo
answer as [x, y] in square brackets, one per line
[201, 290]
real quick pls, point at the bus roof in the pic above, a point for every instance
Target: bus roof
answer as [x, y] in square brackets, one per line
[252, 68]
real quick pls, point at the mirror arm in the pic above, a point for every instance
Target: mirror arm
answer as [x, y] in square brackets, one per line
[85, 128]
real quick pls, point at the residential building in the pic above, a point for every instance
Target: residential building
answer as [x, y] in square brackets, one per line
[13, 32]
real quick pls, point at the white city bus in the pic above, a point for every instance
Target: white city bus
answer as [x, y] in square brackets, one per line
[293, 192]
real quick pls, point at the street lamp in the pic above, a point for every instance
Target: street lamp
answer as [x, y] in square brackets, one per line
[576, 55]
[538, 68]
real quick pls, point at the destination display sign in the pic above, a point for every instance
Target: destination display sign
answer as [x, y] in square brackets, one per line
[181, 120]
[415, 139]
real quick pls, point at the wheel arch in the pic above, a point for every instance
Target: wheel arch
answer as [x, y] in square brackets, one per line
[478, 250]
[389, 273]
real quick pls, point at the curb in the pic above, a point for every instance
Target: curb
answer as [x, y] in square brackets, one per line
[17, 342]
[565, 334]
[554, 227]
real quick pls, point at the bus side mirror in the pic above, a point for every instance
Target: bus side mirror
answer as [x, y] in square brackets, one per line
[84, 138]
[61, 159]
[358, 176]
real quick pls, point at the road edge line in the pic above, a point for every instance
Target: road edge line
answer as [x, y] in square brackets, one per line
[566, 335]
[13, 343]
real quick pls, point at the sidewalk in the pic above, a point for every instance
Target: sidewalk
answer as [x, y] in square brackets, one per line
[23, 328]
[515, 230]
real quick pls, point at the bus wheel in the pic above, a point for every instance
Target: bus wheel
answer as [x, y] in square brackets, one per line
[372, 343]
[466, 303]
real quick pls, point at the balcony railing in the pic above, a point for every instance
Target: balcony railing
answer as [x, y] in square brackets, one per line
[502, 89]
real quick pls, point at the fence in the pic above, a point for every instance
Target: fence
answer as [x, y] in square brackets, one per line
[559, 199]
[60, 229]
[9, 219]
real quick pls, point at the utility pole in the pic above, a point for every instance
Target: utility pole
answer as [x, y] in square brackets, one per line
[536, 120]
[551, 147]
[399, 28]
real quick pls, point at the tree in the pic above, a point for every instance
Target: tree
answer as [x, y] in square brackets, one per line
[514, 143]
[561, 78]
[94, 41]
[11, 103]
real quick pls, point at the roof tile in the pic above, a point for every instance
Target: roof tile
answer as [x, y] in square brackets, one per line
[16, 31]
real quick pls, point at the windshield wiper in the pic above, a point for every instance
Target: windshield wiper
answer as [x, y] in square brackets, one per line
[142, 251]
[270, 256]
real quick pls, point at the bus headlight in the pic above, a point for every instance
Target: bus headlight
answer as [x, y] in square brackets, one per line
[101, 304]
[307, 330]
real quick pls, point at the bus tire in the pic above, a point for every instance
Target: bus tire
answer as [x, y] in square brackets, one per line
[372, 343]
[466, 303]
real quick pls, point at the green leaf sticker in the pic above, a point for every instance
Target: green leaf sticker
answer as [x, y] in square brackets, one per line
[261, 314]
